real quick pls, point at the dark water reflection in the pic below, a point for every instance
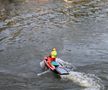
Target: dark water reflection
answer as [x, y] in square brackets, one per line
[30, 28]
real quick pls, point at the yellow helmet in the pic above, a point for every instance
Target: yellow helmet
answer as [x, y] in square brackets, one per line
[54, 53]
[54, 49]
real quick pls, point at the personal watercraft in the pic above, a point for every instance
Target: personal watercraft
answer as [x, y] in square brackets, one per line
[55, 66]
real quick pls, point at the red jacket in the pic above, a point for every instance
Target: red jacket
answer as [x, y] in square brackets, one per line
[50, 59]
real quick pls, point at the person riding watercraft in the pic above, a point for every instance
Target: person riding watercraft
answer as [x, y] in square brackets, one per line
[53, 63]
[52, 57]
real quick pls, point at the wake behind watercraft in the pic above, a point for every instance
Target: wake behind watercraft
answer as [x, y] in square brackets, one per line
[56, 66]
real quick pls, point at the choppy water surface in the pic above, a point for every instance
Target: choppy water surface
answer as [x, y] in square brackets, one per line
[30, 28]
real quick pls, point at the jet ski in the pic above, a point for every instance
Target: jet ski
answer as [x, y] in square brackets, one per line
[55, 66]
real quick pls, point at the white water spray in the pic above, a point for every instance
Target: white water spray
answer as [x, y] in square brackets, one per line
[89, 81]
[39, 74]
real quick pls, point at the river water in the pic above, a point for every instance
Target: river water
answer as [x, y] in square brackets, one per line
[29, 29]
